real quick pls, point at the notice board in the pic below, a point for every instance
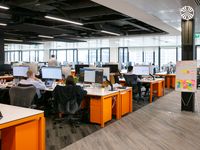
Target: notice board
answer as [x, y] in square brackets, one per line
[186, 76]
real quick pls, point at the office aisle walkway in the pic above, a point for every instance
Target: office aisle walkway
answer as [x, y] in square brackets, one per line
[157, 126]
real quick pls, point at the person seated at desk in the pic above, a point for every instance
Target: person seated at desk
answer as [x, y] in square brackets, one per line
[32, 80]
[69, 92]
[139, 81]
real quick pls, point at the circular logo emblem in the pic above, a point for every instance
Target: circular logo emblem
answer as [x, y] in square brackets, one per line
[187, 12]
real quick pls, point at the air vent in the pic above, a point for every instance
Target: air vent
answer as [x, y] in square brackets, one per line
[197, 2]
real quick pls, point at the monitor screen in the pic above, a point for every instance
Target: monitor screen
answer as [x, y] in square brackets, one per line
[78, 67]
[20, 71]
[113, 67]
[5, 68]
[99, 76]
[89, 75]
[141, 70]
[51, 73]
[93, 75]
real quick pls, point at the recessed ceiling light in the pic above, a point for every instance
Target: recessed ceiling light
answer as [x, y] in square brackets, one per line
[108, 32]
[45, 36]
[4, 7]
[3, 24]
[63, 20]
[13, 40]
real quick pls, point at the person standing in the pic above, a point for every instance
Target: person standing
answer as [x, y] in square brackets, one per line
[52, 61]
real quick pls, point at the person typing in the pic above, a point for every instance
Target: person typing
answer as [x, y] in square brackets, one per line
[32, 80]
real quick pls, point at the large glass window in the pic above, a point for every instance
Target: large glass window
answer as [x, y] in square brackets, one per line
[148, 55]
[92, 56]
[105, 55]
[167, 55]
[83, 56]
[135, 55]
[25, 56]
[32, 56]
[123, 54]
[40, 56]
[61, 56]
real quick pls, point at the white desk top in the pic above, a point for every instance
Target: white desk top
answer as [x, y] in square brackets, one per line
[13, 113]
[144, 80]
[98, 91]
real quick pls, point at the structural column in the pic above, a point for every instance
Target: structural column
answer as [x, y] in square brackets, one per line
[188, 53]
[2, 55]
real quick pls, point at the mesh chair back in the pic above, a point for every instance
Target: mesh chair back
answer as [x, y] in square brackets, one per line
[22, 96]
[131, 80]
[66, 99]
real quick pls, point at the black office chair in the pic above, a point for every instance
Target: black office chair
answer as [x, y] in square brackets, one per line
[131, 80]
[22, 96]
[67, 103]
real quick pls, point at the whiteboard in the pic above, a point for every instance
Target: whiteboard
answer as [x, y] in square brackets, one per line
[186, 76]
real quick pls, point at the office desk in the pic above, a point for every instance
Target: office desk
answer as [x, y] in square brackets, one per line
[101, 105]
[7, 78]
[169, 79]
[22, 128]
[158, 84]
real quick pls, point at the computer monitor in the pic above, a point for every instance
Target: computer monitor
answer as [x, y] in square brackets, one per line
[93, 75]
[20, 71]
[113, 67]
[77, 68]
[141, 70]
[5, 69]
[51, 73]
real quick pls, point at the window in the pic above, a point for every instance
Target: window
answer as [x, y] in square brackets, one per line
[40, 56]
[148, 56]
[32, 56]
[198, 52]
[92, 56]
[83, 56]
[61, 56]
[25, 56]
[135, 55]
[167, 55]
[123, 54]
[105, 55]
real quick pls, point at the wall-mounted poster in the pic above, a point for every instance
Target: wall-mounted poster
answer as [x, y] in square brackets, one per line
[186, 76]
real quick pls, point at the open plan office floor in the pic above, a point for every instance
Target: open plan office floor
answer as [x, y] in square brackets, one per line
[57, 138]
[159, 125]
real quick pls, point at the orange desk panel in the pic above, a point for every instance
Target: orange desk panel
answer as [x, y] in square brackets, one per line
[24, 134]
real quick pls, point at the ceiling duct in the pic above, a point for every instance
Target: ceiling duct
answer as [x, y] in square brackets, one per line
[197, 2]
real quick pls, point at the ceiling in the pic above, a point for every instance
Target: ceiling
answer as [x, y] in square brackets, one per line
[164, 14]
[25, 21]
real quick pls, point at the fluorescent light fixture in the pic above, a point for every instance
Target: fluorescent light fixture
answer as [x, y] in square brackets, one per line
[45, 36]
[13, 40]
[4, 7]
[63, 20]
[108, 32]
[3, 24]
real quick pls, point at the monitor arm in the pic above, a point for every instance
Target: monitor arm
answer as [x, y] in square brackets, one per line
[152, 76]
[109, 83]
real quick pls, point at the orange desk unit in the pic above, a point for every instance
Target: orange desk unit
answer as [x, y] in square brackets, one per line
[126, 105]
[101, 105]
[169, 79]
[22, 128]
[157, 85]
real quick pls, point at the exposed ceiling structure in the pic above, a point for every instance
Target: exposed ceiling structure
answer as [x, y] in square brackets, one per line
[26, 20]
[164, 14]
